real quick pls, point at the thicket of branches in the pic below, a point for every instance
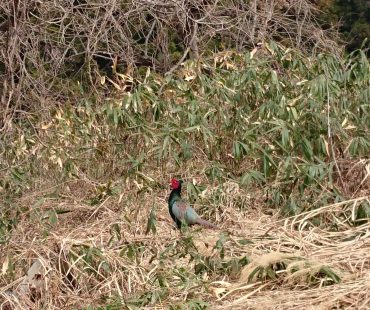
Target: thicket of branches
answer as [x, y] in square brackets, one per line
[256, 134]
[46, 44]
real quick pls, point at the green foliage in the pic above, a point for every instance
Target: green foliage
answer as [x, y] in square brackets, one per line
[353, 18]
[91, 259]
[362, 214]
[151, 224]
[230, 267]
[290, 268]
[103, 191]
[113, 306]
[191, 304]
[277, 121]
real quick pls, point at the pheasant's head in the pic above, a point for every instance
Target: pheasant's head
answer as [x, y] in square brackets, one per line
[176, 184]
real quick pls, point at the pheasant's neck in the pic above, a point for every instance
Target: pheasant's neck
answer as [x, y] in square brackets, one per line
[175, 195]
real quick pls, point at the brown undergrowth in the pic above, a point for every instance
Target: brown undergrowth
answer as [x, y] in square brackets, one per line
[104, 254]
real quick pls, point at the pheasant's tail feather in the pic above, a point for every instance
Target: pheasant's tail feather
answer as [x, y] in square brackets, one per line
[206, 224]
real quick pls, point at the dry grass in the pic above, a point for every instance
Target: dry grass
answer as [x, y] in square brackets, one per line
[87, 259]
[104, 238]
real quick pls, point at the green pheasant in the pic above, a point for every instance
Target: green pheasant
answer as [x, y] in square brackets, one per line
[180, 210]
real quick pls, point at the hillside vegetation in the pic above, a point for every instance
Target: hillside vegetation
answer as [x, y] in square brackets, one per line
[252, 103]
[273, 146]
[353, 18]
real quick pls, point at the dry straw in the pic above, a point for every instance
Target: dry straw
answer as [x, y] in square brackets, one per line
[96, 256]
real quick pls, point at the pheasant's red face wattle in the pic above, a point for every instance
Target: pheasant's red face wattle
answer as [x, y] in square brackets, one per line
[175, 184]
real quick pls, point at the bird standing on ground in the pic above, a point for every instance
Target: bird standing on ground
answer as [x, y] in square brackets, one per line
[180, 210]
